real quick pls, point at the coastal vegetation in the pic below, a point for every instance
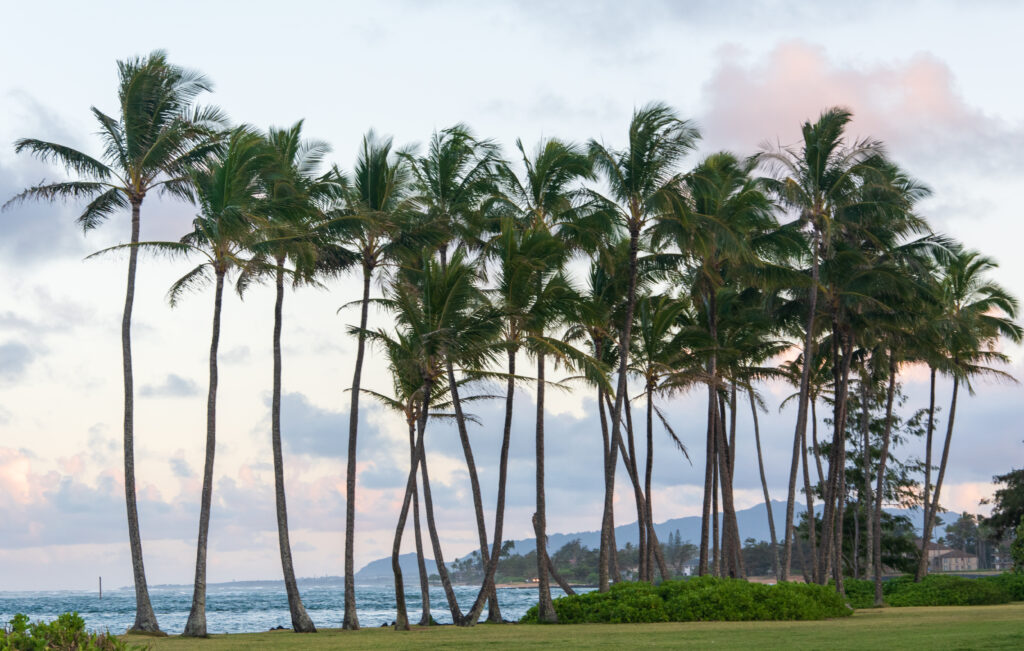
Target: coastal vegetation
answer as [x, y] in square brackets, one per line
[637, 270]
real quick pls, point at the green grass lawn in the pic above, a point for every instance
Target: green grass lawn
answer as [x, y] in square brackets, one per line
[951, 627]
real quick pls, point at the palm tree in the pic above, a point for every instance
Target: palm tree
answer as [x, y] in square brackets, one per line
[294, 197]
[377, 204]
[228, 190]
[439, 310]
[720, 233]
[154, 141]
[817, 179]
[977, 312]
[521, 257]
[452, 182]
[658, 353]
[642, 181]
[547, 202]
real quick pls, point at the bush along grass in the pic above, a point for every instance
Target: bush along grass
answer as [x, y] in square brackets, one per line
[65, 632]
[1011, 582]
[699, 599]
[939, 590]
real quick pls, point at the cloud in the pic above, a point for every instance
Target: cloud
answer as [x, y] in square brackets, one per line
[180, 467]
[173, 386]
[15, 358]
[914, 105]
[236, 355]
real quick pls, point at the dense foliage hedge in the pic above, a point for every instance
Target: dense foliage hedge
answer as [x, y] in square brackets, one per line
[1012, 582]
[860, 593]
[940, 590]
[698, 599]
[66, 632]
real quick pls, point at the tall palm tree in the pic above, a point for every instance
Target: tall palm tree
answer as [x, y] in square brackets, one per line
[547, 203]
[720, 232]
[642, 182]
[439, 309]
[403, 355]
[453, 182]
[294, 197]
[520, 257]
[977, 312]
[228, 189]
[658, 352]
[151, 144]
[377, 205]
[816, 178]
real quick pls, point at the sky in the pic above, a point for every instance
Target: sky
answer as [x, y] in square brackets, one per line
[928, 78]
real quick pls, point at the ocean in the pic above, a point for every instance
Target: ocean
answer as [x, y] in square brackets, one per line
[248, 609]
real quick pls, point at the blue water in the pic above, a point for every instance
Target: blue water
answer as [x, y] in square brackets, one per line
[249, 609]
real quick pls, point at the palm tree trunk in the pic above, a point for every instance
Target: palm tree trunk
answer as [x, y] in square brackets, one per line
[926, 529]
[562, 583]
[421, 563]
[350, 619]
[301, 622]
[435, 540]
[493, 612]
[934, 509]
[814, 440]
[648, 471]
[764, 486]
[145, 619]
[607, 551]
[195, 626]
[709, 455]
[545, 608]
[809, 492]
[401, 615]
[624, 341]
[499, 510]
[883, 457]
[716, 556]
[732, 429]
[801, 414]
[731, 541]
[638, 495]
[836, 495]
[865, 428]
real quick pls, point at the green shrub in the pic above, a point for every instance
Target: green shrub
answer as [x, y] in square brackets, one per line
[939, 590]
[65, 632]
[1011, 582]
[860, 593]
[698, 599]
[624, 603]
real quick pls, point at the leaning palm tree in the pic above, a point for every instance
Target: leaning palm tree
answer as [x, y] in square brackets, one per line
[294, 196]
[453, 182]
[642, 182]
[228, 189]
[977, 312]
[153, 142]
[438, 310]
[658, 352]
[375, 206]
[817, 178]
[228, 193]
[519, 256]
[722, 232]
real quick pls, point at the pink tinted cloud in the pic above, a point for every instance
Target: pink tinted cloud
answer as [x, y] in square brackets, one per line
[914, 105]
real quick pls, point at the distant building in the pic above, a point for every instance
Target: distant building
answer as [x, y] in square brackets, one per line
[946, 559]
[954, 561]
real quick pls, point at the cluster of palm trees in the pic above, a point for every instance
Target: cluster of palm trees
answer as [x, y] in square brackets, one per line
[692, 280]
